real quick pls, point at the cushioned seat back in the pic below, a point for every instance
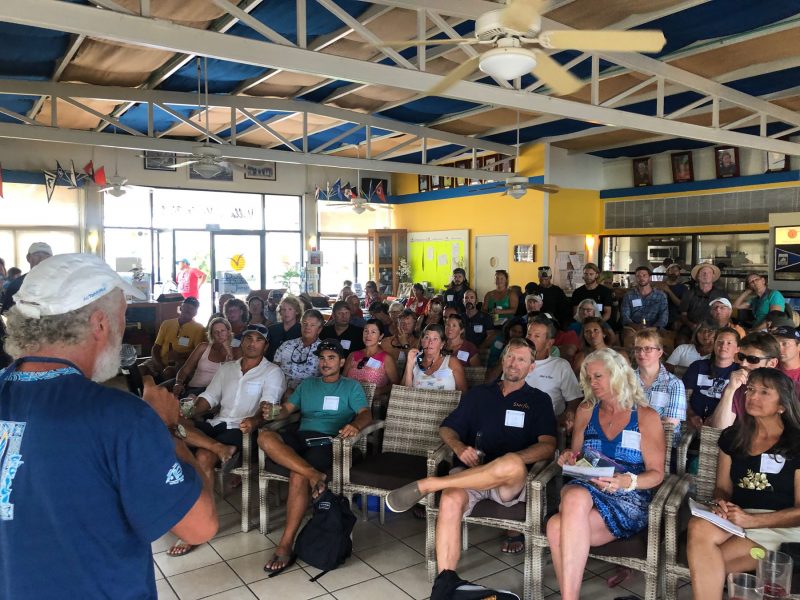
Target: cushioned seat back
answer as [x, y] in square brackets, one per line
[474, 375]
[413, 418]
[706, 478]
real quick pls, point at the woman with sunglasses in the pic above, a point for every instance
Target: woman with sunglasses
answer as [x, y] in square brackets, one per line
[589, 308]
[758, 471]
[757, 349]
[203, 362]
[401, 342]
[500, 303]
[297, 358]
[465, 352]
[372, 364]
[431, 367]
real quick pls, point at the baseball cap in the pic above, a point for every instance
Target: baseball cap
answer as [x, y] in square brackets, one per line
[331, 345]
[40, 247]
[258, 328]
[723, 301]
[193, 301]
[67, 282]
[786, 332]
[545, 271]
[183, 260]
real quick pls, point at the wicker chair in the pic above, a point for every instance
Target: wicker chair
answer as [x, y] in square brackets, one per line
[410, 438]
[676, 512]
[269, 471]
[642, 552]
[475, 376]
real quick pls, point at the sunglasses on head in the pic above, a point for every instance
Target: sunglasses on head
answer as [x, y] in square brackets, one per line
[329, 345]
[751, 358]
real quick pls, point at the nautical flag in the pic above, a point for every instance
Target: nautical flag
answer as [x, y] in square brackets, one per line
[100, 176]
[316, 192]
[336, 191]
[379, 192]
[347, 191]
[49, 184]
[89, 169]
[73, 178]
[60, 172]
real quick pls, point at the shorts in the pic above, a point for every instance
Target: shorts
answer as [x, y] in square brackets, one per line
[319, 457]
[220, 433]
[475, 496]
[771, 538]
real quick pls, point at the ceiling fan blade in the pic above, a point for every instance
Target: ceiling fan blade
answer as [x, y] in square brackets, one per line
[645, 40]
[519, 15]
[186, 163]
[454, 76]
[554, 75]
[369, 207]
[544, 187]
[436, 42]
[237, 166]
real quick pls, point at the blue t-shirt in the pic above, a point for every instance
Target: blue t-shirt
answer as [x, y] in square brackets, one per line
[760, 306]
[507, 423]
[88, 479]
[327, 407]
[707, 386]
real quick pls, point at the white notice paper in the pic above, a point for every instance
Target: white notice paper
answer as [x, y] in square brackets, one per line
[330, 403]
[700, 510]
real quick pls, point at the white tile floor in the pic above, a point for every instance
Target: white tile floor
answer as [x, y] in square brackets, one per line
[387, 563]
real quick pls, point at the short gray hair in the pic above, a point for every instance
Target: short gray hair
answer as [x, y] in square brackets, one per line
[27, 335]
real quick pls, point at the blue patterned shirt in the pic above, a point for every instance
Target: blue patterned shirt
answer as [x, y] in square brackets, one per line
[653, 307]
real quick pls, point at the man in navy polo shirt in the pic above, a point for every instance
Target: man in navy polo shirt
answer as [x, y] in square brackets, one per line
[89, 475]
[497, 430]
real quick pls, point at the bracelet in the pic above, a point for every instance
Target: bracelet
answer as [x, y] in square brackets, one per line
[634, 481]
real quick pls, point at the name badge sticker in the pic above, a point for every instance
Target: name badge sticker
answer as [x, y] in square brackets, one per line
[345, 344]
[477, 328]
[772, 463]
[330, 403]
[659, 399]
[515, 418]
[632, 440]
[462, 355]
[599, 307]
[373, 363]
[498, 344]
[235, 343]
[636, 303]
[704, 380]
[183, 341]
[450, 297]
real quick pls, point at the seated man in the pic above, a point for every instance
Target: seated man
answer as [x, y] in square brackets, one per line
[505, 424]
[329, 405]
[342, 329]
[238, 388]
[176, 340]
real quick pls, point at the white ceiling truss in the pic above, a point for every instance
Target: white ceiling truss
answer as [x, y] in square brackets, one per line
[280, 54]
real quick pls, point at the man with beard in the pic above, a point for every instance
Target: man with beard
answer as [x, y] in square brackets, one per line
[495, 433]
[554, 300]
[478, 323]
[454, 294]
[592, 289]
[96, 474]
[695, 305]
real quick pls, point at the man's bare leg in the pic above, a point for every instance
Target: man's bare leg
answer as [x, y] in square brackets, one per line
[296, 505]
[197, 439]
[271, 443]
[452, 505]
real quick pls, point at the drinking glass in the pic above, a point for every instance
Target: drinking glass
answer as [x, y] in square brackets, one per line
[774, 574]
[743, 586]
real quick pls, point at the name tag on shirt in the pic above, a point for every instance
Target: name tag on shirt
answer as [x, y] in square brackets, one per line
[235, 343]
[463, 355]
[345, 344]
[599, 307]
[632, 440]
[659, 399]
[253, 388]
[450, 297]
[330, 403]
[420, 304]
[498, 344]
[515, 418]
[704, 380]
[373, 363]
[772, 463]
[183, 341]
[477, 328]
[636, 303]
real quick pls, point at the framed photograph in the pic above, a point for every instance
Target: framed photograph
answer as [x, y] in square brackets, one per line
[447, 182]
[642, 171]
[225, 173]
[159, 161]
[682, 168]
[776, 162]
[436, 182]
[726, 159]
[260, 170]
[424, 183]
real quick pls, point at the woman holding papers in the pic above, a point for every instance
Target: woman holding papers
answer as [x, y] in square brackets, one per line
[758, 485]
[614, 420]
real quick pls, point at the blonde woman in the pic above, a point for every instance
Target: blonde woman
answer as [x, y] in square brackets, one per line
[290, 310]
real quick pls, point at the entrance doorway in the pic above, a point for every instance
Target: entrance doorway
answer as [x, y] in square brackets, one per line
[491, 254]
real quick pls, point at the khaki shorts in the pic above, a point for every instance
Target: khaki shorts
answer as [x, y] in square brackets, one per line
[771, 537]
[475, 496]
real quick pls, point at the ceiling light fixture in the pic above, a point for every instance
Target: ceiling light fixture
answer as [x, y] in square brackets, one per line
[207, 170]
[517, 192]
[507, 62]
[117, 191]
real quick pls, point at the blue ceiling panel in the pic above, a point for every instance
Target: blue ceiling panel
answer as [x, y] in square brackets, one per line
[427, 109]
[30, 52]
[320, 94]
[317, 139]
[245, 125]
[19, 104]
[223, 77]
[433, 154]
[136, 118]
[530, 134]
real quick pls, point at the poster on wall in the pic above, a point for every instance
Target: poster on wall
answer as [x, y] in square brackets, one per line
[570, 269]
[787, 254]
[432, 255]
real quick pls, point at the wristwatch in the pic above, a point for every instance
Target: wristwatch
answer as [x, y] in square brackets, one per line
[179, 431]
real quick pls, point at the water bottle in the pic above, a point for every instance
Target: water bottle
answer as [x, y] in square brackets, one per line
[478, 444]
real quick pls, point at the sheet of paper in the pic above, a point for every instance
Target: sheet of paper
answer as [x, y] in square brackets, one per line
[588, 472]
[430, 252]
[442, 260]
[701, 510]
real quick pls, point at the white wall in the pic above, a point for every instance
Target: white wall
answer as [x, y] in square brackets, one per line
[574, 171]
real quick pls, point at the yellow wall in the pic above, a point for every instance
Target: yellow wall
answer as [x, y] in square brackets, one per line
[575, 212]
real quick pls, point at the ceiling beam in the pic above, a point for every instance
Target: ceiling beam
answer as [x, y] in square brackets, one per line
[63, 16]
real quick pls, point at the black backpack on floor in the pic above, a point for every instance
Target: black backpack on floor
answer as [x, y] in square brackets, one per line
[324, 542]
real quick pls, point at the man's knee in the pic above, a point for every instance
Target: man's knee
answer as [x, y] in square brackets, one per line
[510, 468]
[206, 458]
[297, 480]
[453, 503]
[268, 439]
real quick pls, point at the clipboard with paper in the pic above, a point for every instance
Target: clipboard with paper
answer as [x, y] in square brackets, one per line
[593, 464]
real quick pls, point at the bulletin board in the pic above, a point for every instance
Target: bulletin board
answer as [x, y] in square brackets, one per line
[432, 255]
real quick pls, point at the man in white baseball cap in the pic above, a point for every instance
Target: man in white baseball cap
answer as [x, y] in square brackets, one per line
[37, 252]
[97, 475]
[720, 314]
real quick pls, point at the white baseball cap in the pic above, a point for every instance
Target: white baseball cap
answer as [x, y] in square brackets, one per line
[67, 282]
[723, 301]
[40, 247]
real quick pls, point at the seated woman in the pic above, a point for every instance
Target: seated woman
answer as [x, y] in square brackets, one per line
[758, 485]
[466, 352]
[588, 308]
[595, 336]
[759, 299]
[238, 316]
[417, 301]
[297, 358]
[431, 367]
[434, 315]
[203, 362]
[500, 303]
[705, 379]
[255, 305]
[513, 328]
[401, 342]
[613, 419]
[701, 346]
[373, 365]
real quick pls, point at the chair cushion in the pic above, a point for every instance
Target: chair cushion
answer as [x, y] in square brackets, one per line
[493, 510]
[389, 470]
[632, 547]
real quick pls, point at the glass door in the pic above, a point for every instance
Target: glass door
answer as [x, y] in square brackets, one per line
[236, 264]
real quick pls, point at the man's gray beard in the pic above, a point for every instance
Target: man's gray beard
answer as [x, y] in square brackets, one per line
[514, 380]
[106, 365]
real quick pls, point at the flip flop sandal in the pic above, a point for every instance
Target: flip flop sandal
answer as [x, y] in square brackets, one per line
[514, 539]
[179, 548]
[620, 575]
[287, 560]
[319, 488]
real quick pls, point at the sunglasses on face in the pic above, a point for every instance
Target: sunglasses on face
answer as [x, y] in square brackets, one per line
[750, 358]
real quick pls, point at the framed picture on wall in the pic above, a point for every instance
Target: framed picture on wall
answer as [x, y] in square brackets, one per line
[726, 159]
[424, 183]
[447, 182]
[642, 172]
[225, 172]
[682, 168]
[261, 170]
[159, 161]
[776, 162]
[436, 182]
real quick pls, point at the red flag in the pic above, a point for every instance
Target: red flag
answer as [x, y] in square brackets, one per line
[379, 192]
[1, 180]
[100, 176]
[89, 169]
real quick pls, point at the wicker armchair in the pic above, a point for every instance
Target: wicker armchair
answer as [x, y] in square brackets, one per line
[676, 511]
[269, 471]
[410, 437]
[642, 552]
[475, 376]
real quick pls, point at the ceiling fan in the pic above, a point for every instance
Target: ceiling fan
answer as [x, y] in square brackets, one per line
[116, 185]
[360, 203]
[517, 40]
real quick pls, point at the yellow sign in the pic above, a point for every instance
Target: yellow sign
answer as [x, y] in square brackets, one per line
[238, 262]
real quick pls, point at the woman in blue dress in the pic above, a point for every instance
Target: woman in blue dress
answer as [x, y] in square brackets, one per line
[613, 419]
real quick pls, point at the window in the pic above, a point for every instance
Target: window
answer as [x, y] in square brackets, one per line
[283, 260]
[343, 258]
[130, 210]
[192, 209]
[282, 213]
